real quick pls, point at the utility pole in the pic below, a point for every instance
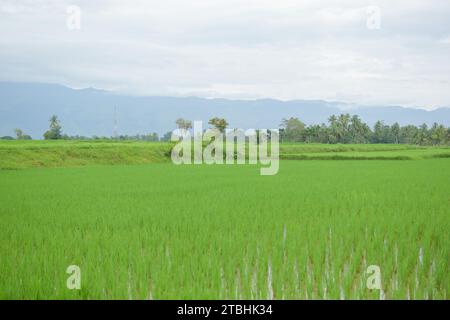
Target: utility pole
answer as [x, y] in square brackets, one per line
[115, 123]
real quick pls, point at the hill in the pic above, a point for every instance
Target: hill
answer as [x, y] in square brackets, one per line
[91, 112]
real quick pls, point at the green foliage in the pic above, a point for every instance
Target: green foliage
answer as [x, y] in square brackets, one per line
[151, 137]
[19, 133]
[183, 124]
[66, 153]
[21, 136]
[60, 153]
[351, 129]
[294, 130]
[218, 123]
[167, 136]
[54, 133]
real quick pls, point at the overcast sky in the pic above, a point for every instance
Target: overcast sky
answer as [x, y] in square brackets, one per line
[283, 49]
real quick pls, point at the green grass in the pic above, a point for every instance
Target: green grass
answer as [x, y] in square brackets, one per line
[29, 154]
[361, 152]
[163, 231]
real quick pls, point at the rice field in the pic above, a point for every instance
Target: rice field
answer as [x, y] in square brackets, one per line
[161, 231]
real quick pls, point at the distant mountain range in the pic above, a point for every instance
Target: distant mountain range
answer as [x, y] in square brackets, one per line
[89, 112]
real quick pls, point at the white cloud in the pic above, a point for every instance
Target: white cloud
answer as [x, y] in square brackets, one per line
[235, 48]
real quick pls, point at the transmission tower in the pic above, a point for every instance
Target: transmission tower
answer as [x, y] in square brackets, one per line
[115, 123]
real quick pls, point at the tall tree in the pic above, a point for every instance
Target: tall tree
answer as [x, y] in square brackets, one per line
[54, 131]
[380, 132]
[438, 134]
[19, 133]
[334, 133]
[218, 123]
[408, 134]
[293, 129]
[422, 135]
[359, 131]
[344, 127]
[183, 125]
[395, 132]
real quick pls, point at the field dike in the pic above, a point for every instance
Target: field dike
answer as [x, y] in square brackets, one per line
[31, 154]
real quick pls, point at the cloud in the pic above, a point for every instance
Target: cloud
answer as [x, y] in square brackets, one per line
[235, 48]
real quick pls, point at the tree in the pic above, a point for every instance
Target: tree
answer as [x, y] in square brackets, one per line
[183, 125]
[166, 137]
[359, 131]
[151, 137]
[282, 133]
[395, 132]
[20, 135]
[312, 133]
[438, 134]
[381, 133]
[344, 128]
[408, 134]
[422, 135]
[218, 123]
[54, 132]
[293, 129]
[323, 134]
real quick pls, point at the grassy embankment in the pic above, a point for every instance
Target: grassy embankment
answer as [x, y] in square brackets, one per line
[27, 154]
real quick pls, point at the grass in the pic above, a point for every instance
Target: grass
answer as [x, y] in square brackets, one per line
[162, 231]
[361, 152]
[29, 154]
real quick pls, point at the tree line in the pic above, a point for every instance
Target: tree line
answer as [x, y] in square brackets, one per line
[347, 128]
[344, 128]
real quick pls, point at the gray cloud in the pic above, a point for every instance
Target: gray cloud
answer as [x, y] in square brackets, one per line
[229, 48]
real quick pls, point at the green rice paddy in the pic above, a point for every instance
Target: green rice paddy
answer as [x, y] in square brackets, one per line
[160, 231]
